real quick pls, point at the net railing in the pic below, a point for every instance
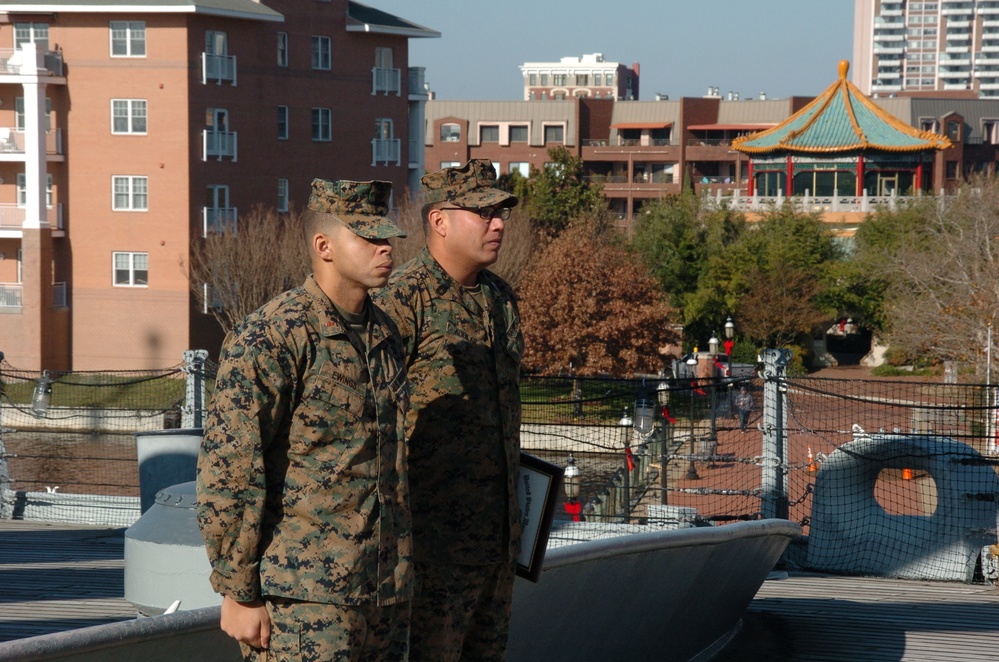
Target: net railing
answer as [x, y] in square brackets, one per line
[879, 473]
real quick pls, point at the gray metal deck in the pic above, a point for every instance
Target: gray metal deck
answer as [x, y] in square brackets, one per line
[56, 577]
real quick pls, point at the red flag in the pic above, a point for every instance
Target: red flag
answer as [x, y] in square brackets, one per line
[629, 458]
[666, 415]
[697, 390]
[722, 367]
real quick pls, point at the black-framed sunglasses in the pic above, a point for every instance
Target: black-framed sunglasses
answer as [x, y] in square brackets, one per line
[485, 213]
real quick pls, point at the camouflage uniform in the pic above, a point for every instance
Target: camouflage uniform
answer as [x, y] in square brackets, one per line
[464, 446]
[302, 491]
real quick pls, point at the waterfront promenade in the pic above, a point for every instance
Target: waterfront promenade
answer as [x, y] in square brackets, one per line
[57, 577]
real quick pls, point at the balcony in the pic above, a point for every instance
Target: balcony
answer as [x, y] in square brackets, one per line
[12, 219]
[12, 61]
[386, 81]
[218, 219]
[218, 68]
[218, 144]
[384, 152]
[12, 143]
[888, 50]
[11, 295]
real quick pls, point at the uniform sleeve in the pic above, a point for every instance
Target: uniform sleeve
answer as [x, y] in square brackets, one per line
[251, 396]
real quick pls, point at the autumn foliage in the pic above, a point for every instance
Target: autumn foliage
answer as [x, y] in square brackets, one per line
[587, 301]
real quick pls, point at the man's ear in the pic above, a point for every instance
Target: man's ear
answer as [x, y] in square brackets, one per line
[322, 246]
[436, 222]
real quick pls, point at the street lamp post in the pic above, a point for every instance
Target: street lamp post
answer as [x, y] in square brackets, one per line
[570, 482]
[691, 469]
[625, 424]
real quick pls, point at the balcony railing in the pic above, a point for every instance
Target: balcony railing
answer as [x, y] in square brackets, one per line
[12, 141]
[218, 68]
[386, 80]
[11, 61]
[12, 216]
[384, 152]
[219, 219]
[218, 144]
[10, 295]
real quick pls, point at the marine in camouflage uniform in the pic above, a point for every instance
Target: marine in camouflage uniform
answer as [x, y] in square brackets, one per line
[461, 331]
[302, 490]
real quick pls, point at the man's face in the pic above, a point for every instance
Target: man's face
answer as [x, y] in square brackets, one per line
[473, 239]
[364, 262]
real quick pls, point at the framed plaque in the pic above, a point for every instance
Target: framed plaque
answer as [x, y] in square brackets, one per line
[538, 487]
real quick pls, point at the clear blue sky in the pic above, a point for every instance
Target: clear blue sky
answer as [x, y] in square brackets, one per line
[781, 47]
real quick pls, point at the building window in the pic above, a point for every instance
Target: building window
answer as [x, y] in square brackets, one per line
[596, 79]
[321, 53]
[521, 167]
[559, 79]
[128, 116]
[990, 131]
[19, 113]
[954, 131]
[489, 133]
[22, 190]
[282, 122]
[582, 79]
[450, 133]
[130, 193]
[558, 96]
[282, 49]
[131, 269]
[544, 79]
[518, 134]
[450, 164]
[31, 33]
[532, 79]
[950, 170]
[322, 124]
[282, 195]
[554, 134]
[128, 39]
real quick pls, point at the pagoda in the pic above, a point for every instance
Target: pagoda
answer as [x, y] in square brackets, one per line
[840, 144]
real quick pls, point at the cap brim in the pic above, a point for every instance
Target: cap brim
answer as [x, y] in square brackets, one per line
[485, 197]
[370, 227]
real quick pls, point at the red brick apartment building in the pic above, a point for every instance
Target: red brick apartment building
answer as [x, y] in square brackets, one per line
[641, 150]
[129, 130]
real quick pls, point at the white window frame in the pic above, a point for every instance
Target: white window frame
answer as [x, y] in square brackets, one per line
[544, 133]
[26, 32]
[22, 189]
[283, 122]
[523, 167]
[322, 49]
[282, 195]
[322, 119]
[134, 188]
[19, 113]
[133, 38]
[452, 134]
[450, 164]
[133, 263]
[134, 109]
[282, 49]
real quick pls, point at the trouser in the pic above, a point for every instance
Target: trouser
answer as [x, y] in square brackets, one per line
[315, 632]
[461, 612]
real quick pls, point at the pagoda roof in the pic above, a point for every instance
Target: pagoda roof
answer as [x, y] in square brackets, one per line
[841, 119]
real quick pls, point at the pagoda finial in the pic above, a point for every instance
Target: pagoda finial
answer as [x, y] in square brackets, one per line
[844, 66]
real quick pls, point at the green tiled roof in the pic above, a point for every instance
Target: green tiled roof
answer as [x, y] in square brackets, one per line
[841, 119]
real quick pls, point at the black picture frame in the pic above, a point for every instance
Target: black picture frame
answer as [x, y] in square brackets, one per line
[538, 487]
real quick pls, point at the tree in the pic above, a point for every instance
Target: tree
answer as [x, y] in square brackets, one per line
[679, 238]
[560, 193]
[587, 301]
[235, 272]
[942, 270]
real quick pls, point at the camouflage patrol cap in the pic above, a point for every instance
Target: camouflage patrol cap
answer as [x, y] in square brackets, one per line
[471, 185]
[361, 206]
